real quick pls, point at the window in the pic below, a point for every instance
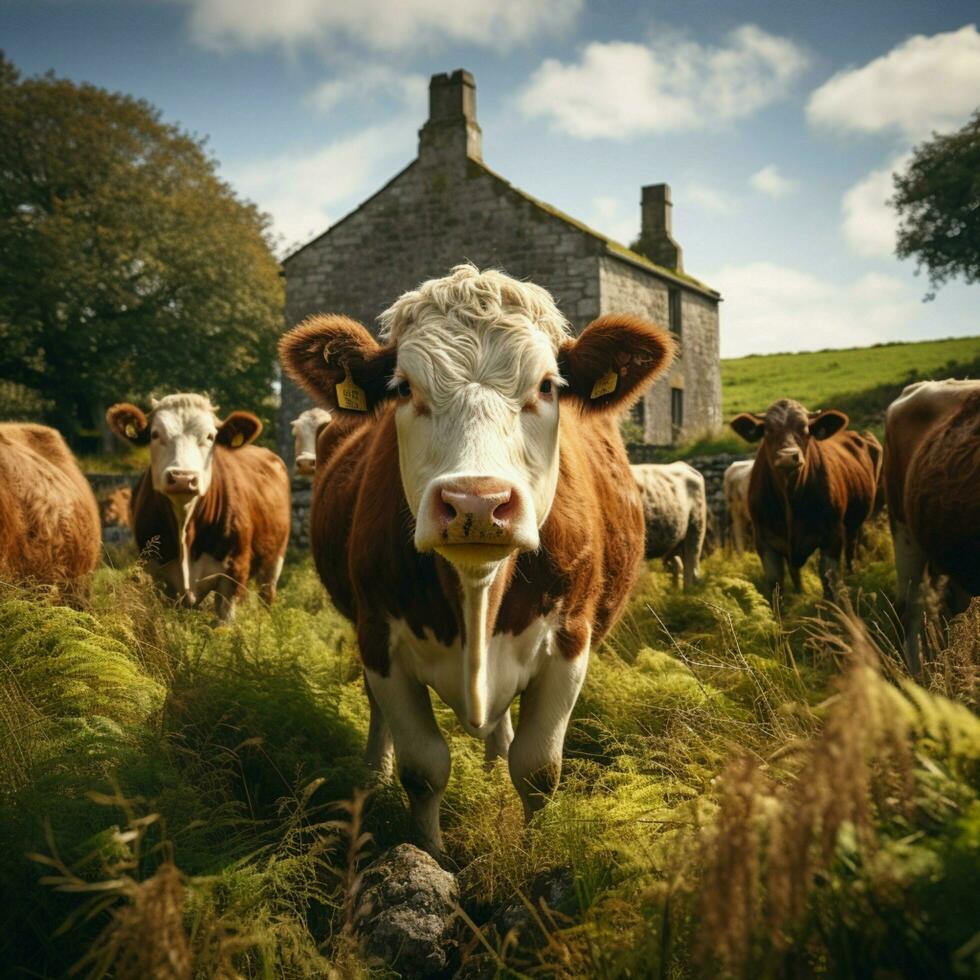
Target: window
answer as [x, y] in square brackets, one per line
[639, 416]
[676, 412]
[674, 312]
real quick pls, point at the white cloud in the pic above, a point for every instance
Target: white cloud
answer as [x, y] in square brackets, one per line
[770, 307]
[620, 89]
[770, 181]
[370, 83]
[378, 24]
[306, 193]
[923, 84]
[708, 199]
[870, 224]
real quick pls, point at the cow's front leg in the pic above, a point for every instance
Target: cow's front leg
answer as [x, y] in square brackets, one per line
[378, 753]
[420, 750]
[910, 570]
[830, 565]
[497, 744]
[546, 706]
[773, 565]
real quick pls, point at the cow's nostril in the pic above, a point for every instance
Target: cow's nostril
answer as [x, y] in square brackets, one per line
[445, 510]
[503, 512]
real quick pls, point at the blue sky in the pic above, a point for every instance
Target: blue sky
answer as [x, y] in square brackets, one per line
[777, 125]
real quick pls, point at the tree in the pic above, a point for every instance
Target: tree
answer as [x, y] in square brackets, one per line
[938, 203]
[127, 267]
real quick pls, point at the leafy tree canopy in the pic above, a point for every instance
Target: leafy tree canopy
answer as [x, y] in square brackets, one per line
[938, 203]
[127, 267]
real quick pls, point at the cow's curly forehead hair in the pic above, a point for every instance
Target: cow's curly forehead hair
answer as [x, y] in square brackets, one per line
[469, 299]
[184, 402]
[785, 412]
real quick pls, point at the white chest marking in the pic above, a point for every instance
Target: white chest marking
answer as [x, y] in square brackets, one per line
[512, 663]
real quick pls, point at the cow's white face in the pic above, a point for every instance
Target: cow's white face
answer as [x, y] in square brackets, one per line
[477, 424]
[305, 429]
[182, 435]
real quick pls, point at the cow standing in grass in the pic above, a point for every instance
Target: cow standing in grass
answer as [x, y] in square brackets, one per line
[813, 485]
[306, 427]
[675, 513]
[212, 510]
[49, 520]
[483, 530]
[735, 485]
[932, 483]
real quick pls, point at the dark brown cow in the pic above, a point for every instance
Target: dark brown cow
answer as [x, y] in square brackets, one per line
[211, 511]
[813, 485]
[49, 521]
[932, 482]
[480, 540]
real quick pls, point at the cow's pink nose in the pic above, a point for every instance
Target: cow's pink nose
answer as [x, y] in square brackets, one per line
[305, 464]
[476, 506]
[181, 481]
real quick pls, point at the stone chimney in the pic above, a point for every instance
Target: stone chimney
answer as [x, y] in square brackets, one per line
[451, 130]
[656, 242]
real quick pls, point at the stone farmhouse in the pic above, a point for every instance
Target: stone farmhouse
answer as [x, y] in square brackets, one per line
[448, 206]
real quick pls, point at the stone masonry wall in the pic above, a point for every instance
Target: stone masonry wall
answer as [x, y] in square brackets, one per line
[625, 289]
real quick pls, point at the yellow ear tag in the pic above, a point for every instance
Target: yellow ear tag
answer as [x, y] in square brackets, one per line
[605, 384]
[130, 430]
[236, 440]
[349, 395]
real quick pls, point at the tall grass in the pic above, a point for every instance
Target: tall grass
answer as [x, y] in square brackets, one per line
[740, 795]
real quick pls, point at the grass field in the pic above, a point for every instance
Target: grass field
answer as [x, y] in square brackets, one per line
[741, 796]
[860, 381]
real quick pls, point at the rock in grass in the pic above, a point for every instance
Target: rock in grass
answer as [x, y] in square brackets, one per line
[406, 913]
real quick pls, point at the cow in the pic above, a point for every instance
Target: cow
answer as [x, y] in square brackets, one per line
[480, 539]
[211, 510]
[735, 484]
[116, 507]
[813, 485]
[306, 427]
[675, 513]
[932, 486]
[49, 520]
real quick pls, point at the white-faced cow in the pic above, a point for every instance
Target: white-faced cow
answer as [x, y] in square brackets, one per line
[932, 483]
[49, 520]
[736, 490]
[675, 513]
[484, 531]
[306, 427]
[211, 510]
[813, 485]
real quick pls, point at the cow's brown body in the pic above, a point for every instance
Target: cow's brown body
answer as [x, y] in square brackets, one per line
[361, 536]
[932, 482]
[822, 504]
[49, 520]
[238, 529]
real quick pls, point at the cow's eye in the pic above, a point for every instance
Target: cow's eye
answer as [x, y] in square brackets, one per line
[545, 387]
[210, 437]
[404, 389]
[154, 434]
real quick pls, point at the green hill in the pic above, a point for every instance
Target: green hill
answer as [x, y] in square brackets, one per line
[860, 381]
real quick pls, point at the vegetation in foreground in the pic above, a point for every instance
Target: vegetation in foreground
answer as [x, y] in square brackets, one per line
[740, 796]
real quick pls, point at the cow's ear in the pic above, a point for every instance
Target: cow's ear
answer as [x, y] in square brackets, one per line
[613, 361]
[338, 363]
[239, 429]
[129, 423]
[824, 424]
[750, 427]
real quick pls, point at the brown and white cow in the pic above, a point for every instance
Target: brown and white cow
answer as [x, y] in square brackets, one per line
[675, 513]
[932, 483]
[813, 485]
[49, 520]
[484, 531]
[306, 427]
[735, 484]
[211, 510]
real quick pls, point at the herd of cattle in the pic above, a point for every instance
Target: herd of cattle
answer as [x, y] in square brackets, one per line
[480, 541]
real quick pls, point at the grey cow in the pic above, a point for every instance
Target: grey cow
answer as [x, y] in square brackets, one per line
[676, 515]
